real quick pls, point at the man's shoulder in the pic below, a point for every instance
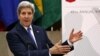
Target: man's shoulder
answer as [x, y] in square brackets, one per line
[37, 27]
[13, 30]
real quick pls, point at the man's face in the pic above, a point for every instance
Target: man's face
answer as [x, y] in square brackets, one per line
[26, 16]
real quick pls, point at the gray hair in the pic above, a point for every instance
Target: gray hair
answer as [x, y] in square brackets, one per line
[25, 4]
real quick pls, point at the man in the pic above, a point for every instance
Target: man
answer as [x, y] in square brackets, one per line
[26, 39]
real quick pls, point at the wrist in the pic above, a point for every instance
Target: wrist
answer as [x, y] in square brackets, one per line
[50, 51]
[71, 41]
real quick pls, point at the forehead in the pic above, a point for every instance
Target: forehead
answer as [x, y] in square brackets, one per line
[26, 10]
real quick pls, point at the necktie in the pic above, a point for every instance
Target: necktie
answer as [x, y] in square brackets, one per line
[29, 32]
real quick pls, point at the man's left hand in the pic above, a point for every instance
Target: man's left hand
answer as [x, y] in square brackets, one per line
[74, 37]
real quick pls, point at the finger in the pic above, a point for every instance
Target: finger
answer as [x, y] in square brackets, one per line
[80, 33]
[60, 42]
[72, 31]
[78, 39]
[63, 53]
[65, 50]
[65, 46]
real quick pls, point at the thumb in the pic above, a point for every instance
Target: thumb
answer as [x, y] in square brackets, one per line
[72, 31]
[59, 43]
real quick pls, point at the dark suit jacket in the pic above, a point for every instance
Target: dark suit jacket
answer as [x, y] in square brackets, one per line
[21, 44]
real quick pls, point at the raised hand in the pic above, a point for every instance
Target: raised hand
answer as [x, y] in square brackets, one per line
[74, 37]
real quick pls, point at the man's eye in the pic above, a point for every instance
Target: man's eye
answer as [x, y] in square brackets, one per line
[23, 13]
[29, 13]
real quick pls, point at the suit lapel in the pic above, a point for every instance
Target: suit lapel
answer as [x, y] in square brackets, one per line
[37, 34]
[24, 36]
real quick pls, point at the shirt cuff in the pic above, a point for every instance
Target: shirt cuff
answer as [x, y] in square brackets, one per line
[49, 54]
[70, 43]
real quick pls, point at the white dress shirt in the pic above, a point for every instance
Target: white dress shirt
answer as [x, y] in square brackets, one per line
[32, 33]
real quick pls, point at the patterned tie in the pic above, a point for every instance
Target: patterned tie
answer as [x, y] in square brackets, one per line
[29, 32]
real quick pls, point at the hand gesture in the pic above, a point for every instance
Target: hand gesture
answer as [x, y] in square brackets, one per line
[59, 49]
[74, 37]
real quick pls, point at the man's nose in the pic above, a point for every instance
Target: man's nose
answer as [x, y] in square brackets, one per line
[26, 16]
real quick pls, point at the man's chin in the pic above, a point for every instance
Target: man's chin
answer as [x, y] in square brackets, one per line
[26, 25]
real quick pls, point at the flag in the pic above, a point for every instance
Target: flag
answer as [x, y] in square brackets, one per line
[39, 5]
[8, 11]
[38, 9]
[2, 27]
[51, 13]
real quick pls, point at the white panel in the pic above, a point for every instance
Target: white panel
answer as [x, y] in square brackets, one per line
[82, 15]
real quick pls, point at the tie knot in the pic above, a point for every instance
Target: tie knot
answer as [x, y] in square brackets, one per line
[28, 29]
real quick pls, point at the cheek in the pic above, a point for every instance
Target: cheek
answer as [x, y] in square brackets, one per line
[21, 20]
[31, 17]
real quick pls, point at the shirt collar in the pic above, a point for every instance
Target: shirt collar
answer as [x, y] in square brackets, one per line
[27, 27]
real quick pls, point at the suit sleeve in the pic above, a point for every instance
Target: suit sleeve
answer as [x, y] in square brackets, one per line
[48, 41]
[18, 48]
[66, 43]
[50, 44]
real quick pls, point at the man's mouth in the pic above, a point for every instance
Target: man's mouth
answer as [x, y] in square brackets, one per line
[26, 20]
